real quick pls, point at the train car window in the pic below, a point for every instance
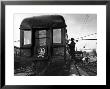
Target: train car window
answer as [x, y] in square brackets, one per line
[42, 37]
[56, 35]
[40, 34]
[27, 37]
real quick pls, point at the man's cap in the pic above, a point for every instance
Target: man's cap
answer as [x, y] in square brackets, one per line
[72, 39]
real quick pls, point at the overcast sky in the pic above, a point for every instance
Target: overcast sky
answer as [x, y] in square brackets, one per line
[78, 25]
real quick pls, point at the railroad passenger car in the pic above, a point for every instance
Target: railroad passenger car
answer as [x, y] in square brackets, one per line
[42, 39]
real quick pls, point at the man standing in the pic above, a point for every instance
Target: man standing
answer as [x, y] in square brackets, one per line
[72, 48]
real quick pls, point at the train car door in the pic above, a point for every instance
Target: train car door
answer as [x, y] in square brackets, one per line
[41, 44]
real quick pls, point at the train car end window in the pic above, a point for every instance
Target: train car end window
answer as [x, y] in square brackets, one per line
[56, 35]
[27, 37]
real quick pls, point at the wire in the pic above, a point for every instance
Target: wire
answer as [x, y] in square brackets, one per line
[86, 36]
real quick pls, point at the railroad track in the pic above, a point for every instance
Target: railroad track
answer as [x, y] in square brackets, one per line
[91, 70]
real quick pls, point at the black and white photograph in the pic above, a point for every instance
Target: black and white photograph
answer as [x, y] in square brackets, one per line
[55, 44]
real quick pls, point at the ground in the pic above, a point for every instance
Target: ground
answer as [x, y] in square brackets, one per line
[43, 68]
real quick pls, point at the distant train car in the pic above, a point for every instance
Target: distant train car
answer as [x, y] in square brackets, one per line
[42, 38]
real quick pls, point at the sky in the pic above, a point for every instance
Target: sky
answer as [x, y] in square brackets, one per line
[78, 25]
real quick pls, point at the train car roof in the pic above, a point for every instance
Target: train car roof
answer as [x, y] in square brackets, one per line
[45, 21]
